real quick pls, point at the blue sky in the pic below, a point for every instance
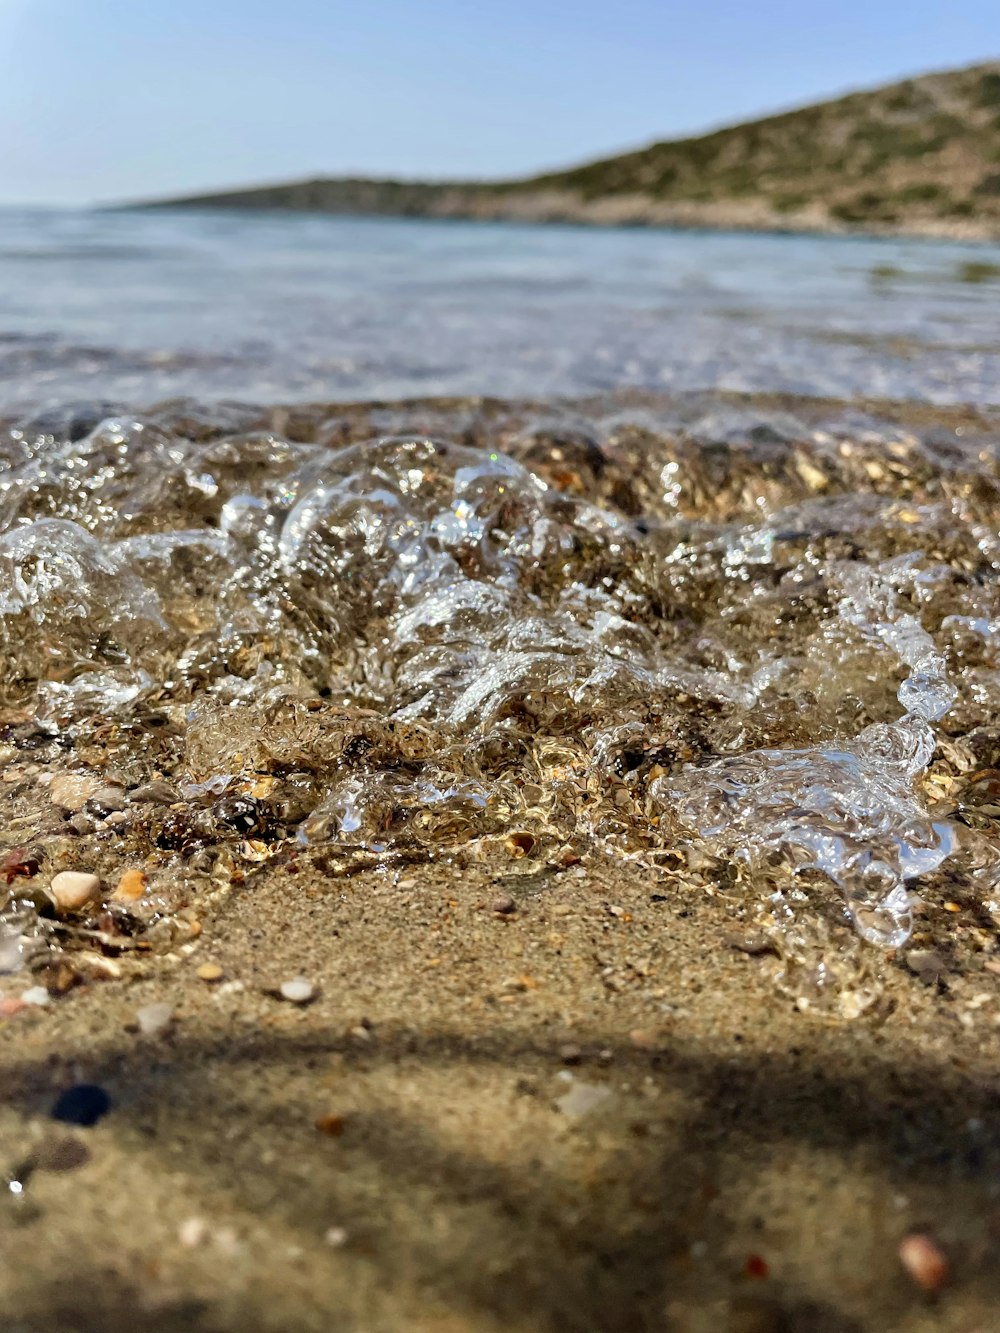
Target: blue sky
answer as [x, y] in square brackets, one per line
[108, 99]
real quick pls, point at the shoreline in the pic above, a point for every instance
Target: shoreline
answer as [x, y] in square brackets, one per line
[627, 214]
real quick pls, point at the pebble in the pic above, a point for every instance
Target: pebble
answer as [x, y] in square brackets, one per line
[644, 1039]
[62, 1154]
[924, 1260]
[582, 1099]
[210, 972]
[73, 889]
[72, 791]
[503, 906]
[36, 995]
[332, 1125]
[193, 1232]
[107, 801]
[297, 991]
[154, 1019]
[752, 942]
[926, 964]
[335, 1237]
[83, 1104]
[153, 793]
[130, 887]
[81, 824]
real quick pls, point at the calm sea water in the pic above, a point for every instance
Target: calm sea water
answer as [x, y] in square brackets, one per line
[135, 307]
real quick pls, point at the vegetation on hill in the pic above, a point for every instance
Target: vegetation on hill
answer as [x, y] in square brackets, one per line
[920, 156]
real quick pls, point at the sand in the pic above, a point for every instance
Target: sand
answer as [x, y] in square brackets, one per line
[752, 1167]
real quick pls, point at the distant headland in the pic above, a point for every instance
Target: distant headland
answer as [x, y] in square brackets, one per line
[919, 157]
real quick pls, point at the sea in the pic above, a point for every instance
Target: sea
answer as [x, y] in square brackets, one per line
[134, 307]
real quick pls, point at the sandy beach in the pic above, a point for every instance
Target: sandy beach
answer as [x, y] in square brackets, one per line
[590, 1112]
[529, 1082]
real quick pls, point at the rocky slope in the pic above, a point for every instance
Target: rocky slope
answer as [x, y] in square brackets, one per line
[921, 156]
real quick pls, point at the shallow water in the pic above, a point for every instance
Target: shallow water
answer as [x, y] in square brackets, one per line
[753, 646]
[747, 643]
[129, 308]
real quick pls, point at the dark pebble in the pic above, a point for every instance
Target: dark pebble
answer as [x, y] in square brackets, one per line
[241, 813]
[64, 1154]
[84, 1105]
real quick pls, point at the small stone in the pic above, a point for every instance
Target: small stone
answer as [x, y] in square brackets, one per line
[210, 972]
[36, 995]
[582, 1099]
[570, 1053]
[130, 887]
[226, 1240]
[332, 1125]
[116, 820]
[153, 793]
[60, 977]
[72, 791]
[756, 1266]
[81, 824]
[10, 1006]
[74, 889]
[297, 991]
[62, 1154]
[192, 1232]
[926, 964]
[644, 1039]
[108, 800]
[924, 1260]
[154, 1019]
[335, 1237]
[83, 1104]
[753, 942]
[504, 905]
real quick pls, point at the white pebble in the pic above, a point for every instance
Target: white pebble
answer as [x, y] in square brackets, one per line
[297, 991]
[35, 995]
[193, 1232]
[154, 1019]
[335, 1237]
[73, 889]
[11, 951]
[582, 1099]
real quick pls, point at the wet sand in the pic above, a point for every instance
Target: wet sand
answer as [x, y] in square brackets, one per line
[751, 1168]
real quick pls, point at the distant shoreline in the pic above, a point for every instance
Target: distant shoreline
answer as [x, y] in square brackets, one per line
[626, 215]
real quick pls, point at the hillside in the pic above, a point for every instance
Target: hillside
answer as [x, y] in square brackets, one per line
[921, 156]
